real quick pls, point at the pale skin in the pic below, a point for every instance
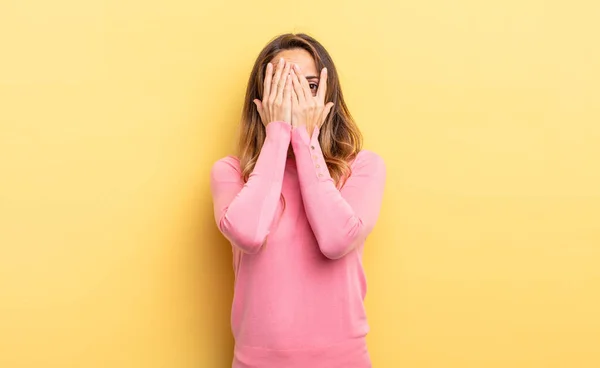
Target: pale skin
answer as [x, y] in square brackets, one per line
[294, 92]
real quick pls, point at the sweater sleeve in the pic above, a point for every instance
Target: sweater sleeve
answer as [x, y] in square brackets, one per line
[340, 219]
[244, 212]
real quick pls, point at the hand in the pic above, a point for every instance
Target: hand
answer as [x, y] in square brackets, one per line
[276, 104]
[308, 110]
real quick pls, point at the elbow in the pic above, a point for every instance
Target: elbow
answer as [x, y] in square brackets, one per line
[334, 253]
[337, 247]
[246, 240]
[248, 246]
[336, 244]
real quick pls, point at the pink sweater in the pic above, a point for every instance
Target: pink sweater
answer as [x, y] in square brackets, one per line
[300, 285]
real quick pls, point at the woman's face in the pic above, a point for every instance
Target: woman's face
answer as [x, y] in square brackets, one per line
[305, 61]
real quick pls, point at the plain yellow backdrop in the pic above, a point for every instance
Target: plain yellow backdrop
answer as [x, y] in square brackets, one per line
[487, 252]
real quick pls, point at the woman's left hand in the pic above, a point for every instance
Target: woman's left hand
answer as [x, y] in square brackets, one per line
[308, 110]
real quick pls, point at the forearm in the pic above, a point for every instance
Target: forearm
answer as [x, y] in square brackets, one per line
[334, 222]
[246, 220]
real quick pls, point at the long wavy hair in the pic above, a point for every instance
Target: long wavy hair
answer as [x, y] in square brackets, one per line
[339, 136]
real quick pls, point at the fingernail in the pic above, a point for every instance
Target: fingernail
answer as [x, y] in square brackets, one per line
[281, 60]
[325, 70]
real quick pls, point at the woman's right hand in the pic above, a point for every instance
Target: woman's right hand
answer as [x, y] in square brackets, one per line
[276, 104]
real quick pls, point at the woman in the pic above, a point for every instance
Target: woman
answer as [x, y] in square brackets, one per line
[297, 205]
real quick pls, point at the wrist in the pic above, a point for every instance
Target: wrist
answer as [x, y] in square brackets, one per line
[302, 137]
[278, 128]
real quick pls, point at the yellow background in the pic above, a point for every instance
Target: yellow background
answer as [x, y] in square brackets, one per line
[487, 253]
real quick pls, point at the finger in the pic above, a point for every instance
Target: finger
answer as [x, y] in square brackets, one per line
[287, 90]
[283, 80]
[322, 89]
[304, 83]
[294, 98]
[298, 88]
[326, 111]
[275, 81]
[267, 81]
[294, 106]
[258, 104]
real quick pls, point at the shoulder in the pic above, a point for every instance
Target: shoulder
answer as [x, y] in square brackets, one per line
[229, 161]
[368, 160]
[227, 168]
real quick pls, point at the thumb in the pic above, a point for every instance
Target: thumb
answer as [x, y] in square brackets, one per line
[258, 104]
[326, 110]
